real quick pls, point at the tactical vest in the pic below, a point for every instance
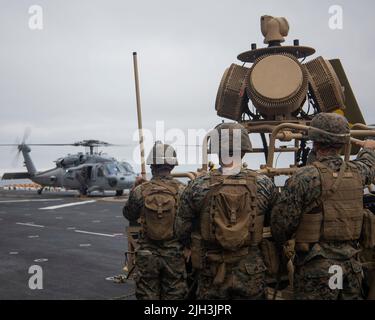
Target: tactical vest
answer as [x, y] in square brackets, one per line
[159, 210]
[339, 214]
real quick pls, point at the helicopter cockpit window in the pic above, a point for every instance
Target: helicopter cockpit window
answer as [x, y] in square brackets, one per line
[112, 169]
[127, 167]
[69, 174]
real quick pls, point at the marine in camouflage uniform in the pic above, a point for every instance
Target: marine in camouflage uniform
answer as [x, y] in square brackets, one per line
[303, 194]
[160, 264]
[244, 276]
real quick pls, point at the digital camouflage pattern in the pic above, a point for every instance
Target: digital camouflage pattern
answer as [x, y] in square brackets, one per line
[302, 193]
[160, 265]
[367, 257]
[311, 280]
[244, 279]
[329, 122]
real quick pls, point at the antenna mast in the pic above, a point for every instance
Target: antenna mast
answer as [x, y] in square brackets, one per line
[139, 113]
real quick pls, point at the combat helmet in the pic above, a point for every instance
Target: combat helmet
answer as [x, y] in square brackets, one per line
[225, 135]
[161, 154]
[329, 129]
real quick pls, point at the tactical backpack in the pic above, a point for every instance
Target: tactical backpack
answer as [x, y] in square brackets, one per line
[159, 211]
[232, 221]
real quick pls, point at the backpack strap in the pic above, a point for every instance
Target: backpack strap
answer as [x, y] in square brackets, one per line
[216, 181]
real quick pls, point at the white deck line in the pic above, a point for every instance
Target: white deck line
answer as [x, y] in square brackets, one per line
[67, 205]
[97, 233]
[30, 224]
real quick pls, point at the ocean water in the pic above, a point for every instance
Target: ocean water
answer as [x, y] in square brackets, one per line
[10, 182]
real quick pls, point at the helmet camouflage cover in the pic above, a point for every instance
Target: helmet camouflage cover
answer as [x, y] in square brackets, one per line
[161, 154]
[226, 135]
[329, 129]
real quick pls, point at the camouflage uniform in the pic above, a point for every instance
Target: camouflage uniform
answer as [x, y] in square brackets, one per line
[247, 277]
[367, 257]
[302, 192]
[159, 260]
[160, 265]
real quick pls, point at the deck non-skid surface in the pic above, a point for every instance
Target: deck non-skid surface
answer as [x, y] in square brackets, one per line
[78, 243]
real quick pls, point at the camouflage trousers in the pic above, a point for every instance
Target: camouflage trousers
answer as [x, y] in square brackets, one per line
[244, 279]
[161, 275]
[367, 257]
[312, 280]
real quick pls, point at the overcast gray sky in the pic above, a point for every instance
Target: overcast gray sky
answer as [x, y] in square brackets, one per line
[73, 80]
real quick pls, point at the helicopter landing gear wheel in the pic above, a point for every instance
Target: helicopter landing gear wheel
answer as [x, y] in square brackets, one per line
[40, 190]
[83, 192]
[119, 193]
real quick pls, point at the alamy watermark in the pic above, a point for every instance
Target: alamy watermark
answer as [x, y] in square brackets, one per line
[36, 280]
[191, 146]
[36, 21]
[336, 280]
[336, 19]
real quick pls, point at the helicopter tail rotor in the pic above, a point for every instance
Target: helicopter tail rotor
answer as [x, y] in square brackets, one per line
[19, 146]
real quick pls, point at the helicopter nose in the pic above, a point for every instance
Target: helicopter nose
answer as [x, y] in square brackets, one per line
[126, 182]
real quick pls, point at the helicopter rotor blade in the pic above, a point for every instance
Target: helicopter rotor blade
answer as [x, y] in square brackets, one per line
[16, 158]
[118, 145]
[50, 144]
[36, 144]
[74, 145]
[26, 135]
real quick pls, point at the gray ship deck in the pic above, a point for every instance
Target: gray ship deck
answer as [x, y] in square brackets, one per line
[77, 246]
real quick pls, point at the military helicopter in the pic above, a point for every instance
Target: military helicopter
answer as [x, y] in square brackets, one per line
[85, 172]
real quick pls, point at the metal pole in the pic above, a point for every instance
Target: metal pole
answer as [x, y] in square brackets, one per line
[139, 113]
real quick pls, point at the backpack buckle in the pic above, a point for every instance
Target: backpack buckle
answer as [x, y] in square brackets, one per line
[233, 217]
[160, 211]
